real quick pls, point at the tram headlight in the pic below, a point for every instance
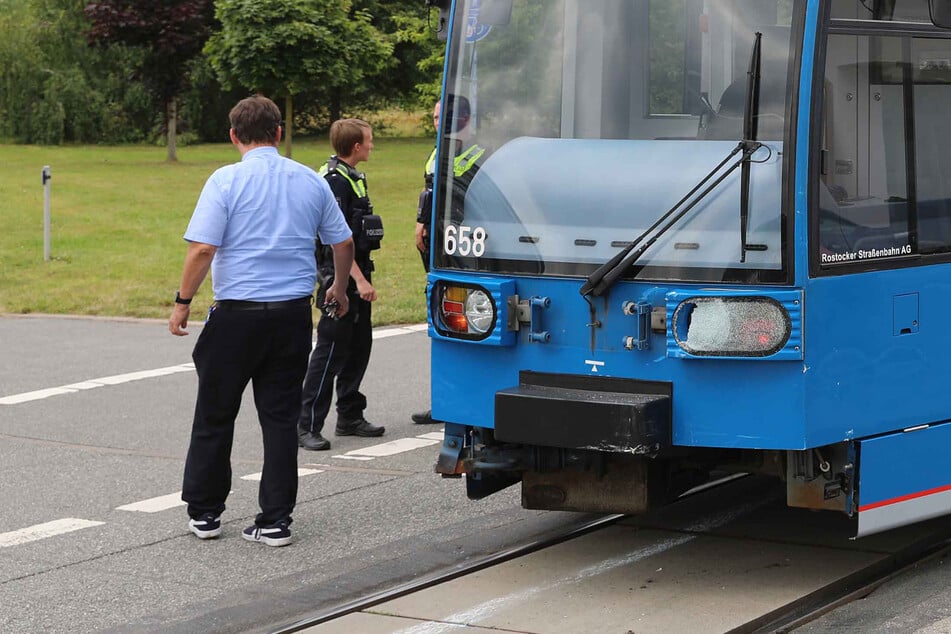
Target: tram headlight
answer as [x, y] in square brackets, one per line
[480, 312]
[468, 312]
[731, 326]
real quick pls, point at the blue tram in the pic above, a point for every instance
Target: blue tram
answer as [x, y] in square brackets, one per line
[700, 237]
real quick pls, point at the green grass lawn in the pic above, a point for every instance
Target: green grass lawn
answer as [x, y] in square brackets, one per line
[118, 215]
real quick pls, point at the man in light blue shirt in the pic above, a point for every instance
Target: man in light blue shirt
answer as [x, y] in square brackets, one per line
[254, 227]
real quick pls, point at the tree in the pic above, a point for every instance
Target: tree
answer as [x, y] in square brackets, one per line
[414, 77]
[171, 33]
[21, 70]
[55, 88]
[284, 48]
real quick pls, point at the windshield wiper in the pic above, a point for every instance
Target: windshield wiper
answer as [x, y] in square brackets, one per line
[605, 276]
[750, 118]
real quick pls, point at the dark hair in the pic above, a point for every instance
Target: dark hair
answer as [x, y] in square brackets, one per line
[346, 133]
[455, 113]
[255, 120]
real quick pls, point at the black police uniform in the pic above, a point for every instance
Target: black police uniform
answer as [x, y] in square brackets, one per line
[343, 345]
[425, 208]
[464, 169]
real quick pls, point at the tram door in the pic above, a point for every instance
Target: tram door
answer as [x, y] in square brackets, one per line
[882, 232]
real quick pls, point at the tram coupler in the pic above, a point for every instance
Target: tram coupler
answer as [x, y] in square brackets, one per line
[492, 468]
[520, 458]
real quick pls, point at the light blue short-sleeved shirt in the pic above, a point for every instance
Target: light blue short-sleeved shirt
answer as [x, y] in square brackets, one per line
[263, 215]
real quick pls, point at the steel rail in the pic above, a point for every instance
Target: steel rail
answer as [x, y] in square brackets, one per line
[448, 574]
[479, 563]
[856, 586]
[786, 618]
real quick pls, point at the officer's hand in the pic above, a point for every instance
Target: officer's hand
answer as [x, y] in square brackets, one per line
[366, 291]
[421, 234]
[178, 321]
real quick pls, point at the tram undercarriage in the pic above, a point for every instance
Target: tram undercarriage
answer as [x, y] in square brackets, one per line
[586, 480]
[881, 482]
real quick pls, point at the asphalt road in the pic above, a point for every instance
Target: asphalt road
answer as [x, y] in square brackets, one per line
[94, 423]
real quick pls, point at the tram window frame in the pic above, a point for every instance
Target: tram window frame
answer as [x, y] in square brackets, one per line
[917, 11]
[909, 35]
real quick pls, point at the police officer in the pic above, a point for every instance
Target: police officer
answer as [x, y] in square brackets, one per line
[343, 344]
[464, 166]
[425, 208]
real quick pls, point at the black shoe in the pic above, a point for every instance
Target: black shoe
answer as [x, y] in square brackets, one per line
[424, 418]
[359, 427]
[312, 441]
[208, 526]
[277, 534]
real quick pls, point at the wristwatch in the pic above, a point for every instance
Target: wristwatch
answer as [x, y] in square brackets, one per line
[181, 300]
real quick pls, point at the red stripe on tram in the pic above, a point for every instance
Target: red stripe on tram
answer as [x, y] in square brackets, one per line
[904, 498]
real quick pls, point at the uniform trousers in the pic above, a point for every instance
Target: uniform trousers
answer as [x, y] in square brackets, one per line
[342, 354]
[268, 347]
[424, 255]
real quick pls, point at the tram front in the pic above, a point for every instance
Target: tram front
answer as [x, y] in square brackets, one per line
[612, 306]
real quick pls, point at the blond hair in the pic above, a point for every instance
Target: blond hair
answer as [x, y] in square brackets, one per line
[346, 133]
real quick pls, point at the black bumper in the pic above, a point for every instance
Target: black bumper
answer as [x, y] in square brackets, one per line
[585, 412]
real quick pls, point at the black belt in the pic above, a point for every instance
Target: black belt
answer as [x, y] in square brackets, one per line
[240, 304]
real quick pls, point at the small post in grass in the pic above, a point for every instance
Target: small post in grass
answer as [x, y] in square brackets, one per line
[46, 212]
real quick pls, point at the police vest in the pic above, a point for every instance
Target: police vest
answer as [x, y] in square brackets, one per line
[464, 162]
[366, 226]
[460, 165]
[357, 180]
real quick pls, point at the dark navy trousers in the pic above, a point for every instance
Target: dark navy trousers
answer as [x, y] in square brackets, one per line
[342, 355]
[269, 349]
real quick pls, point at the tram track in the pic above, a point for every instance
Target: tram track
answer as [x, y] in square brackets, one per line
[445, 575]
[681, 534]
[857, 587]
[468, 567]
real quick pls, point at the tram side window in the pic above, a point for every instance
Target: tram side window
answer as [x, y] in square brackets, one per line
[932, 97]
[874, 202]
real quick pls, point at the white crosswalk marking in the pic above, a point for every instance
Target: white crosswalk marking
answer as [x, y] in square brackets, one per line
[173, 500]
[36, 395]
[256, 477]
[391, 448]
[42, 531]
[401, 330]
[93, 383]
[154, 505]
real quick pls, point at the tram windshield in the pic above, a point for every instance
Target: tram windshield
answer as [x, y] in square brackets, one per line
[570, 127]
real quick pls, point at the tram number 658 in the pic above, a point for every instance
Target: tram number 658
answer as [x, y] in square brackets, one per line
[464, 241]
